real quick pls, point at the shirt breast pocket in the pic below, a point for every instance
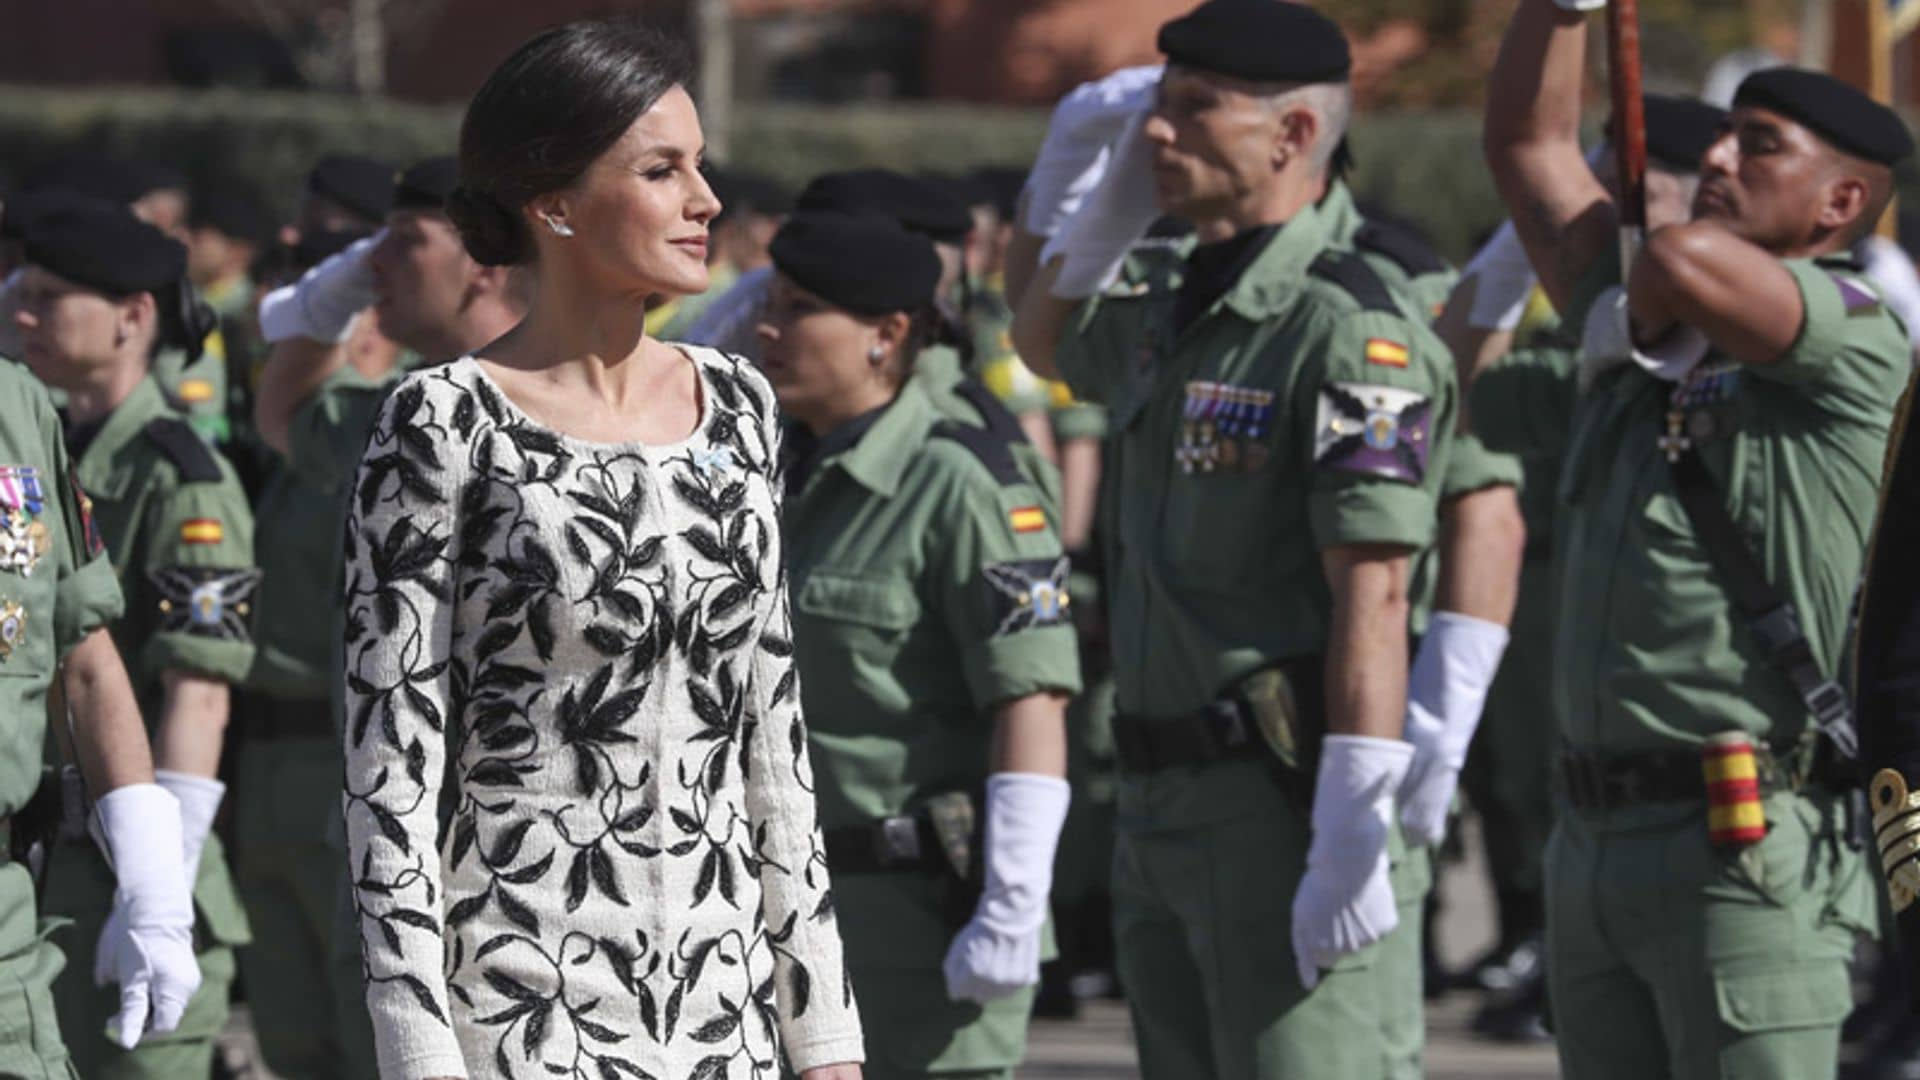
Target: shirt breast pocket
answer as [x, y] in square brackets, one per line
[1217, 524]
[26, 622]
[864, 616]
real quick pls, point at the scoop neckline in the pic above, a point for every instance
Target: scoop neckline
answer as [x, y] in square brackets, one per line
[694, 437]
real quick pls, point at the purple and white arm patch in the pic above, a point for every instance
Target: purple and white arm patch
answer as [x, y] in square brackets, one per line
[1373, 430]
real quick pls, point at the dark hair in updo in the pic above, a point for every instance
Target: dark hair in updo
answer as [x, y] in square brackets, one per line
[544, 115]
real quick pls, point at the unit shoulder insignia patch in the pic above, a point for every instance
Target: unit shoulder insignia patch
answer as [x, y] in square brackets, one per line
[206, 601]
[1028, 594]
[1382, 431]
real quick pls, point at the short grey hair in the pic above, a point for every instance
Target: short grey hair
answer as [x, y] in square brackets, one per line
[1332, 102]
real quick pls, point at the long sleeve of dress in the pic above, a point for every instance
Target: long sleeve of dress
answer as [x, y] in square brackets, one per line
[400, 546]
[819, 1023]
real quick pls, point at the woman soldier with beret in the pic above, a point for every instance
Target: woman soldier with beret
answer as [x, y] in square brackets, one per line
[935, 651]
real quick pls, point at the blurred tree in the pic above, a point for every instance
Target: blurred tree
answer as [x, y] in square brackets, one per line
[340, 44]
[1437, 52]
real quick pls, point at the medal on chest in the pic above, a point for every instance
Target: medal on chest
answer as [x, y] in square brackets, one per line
[1692, 410]
[24, 538]
[1223, 427]
[13, 628]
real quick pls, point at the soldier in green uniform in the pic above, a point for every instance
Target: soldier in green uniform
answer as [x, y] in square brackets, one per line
[1280, 431]
[177, 527]
[57, 594]
[1509, 773]
[316, 411]
[1727, 426]
[932, 637]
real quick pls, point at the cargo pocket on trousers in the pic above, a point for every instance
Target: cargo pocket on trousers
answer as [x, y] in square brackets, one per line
[1784, 999]
[30, 1044]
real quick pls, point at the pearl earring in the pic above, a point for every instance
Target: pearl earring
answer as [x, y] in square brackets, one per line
[876, 354]
[560, 228]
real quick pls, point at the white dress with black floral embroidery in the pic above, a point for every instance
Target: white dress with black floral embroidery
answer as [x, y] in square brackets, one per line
[578, 793]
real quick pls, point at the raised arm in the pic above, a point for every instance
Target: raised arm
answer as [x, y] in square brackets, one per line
[1565, 218]
[1700, 275]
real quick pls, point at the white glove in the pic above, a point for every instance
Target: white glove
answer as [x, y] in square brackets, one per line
[322, 304]
[1344, 902]
[1079, 143]
[147, 943]
[1608, 341]
[998, 952]
[1582, 6]
[199, 798]
[1446, 690]
[1095, 241]
[1505, 280]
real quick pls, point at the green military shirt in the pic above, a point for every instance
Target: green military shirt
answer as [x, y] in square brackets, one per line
[179, 531]
[302, 517]
[198, 389]
[1290, 417]
[56, 584]
[928, 587]
[1650, 651]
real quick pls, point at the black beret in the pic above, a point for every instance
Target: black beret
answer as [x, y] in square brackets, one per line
[426, 185]
[1258, 40]
[359, 184]
[22, 210]
[116, 180]
[105, 248]
[742, 192]
[1680, 130]
[1005, 182]
[917, 205]
[1842, 115]
[862, 263]
[233, 209]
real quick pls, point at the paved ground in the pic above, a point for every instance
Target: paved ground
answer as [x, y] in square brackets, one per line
[1099, 1046]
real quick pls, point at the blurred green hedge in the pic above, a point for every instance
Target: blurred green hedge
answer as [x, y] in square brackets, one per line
[1424, 166]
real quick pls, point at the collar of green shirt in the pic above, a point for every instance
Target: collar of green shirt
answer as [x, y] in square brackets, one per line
[1271, 285]
[126, 422]
[881, 455]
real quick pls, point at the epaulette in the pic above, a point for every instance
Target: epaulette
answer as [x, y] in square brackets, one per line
[1360, 281]
[1410, 252]
[992, 442]
[189, 454]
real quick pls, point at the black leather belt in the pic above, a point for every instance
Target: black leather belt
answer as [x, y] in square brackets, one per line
[1222, 731]
[1614, 781]
[890, 845]
[261, 716]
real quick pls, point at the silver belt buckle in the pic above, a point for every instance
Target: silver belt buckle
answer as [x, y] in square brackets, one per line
[899, 840]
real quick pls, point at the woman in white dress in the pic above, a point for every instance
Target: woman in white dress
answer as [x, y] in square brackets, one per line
[577, 791]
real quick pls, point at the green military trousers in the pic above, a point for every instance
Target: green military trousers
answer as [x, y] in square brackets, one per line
[80, 887]
[30, 1044]
[291, 868]
[1206, 864]
[1669, 958]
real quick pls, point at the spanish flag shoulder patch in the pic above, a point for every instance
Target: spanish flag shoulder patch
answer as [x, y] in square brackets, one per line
[1027, 519]
[196, 391]
[202, 531]
[1386, 352]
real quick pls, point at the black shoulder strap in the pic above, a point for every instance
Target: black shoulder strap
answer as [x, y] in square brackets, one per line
[1772, 617]
[1402, 246]
[991, 447]
[999, 419]
[1351, 272]
[192, 457]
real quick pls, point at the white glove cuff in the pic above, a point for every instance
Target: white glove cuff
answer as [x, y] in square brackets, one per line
[323, 304]
[1025, 812]
[199, 798]
[1459, 656]
[1581, 6]
[1353, 798]
[140, 826]
[1674, 356]
[1503, 280]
